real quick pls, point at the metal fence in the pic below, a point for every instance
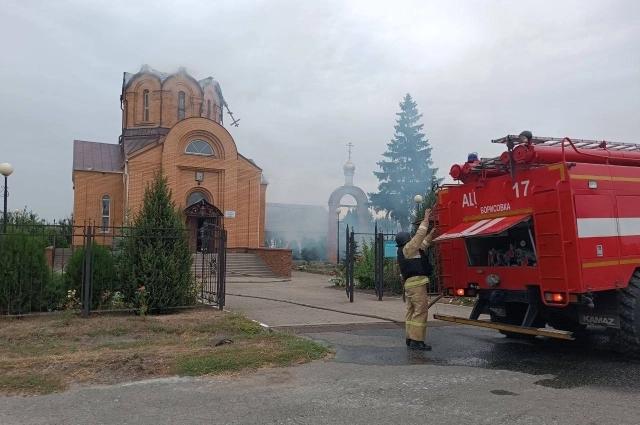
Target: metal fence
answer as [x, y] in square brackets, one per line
[47, 268]
[385, 266]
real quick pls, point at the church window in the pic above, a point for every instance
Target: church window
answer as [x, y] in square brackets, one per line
[180, 105]
[196, 196]
[209, 109]
[199, 147]
[106, 212]
[145, 101]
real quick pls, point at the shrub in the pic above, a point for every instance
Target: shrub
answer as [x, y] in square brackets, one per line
[155, 254]
[54, 292]
[391, 276]
[309, 254]
[102, 269]
[23, 271]
[364, 269]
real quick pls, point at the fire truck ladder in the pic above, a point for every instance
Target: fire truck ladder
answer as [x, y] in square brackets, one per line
[578, 143]
[547, 243]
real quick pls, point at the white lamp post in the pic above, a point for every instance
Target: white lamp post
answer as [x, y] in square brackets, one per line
[418, 200]
[338, 211]
[5, 169]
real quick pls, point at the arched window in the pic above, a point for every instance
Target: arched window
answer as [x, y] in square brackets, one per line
[106, 212]
[145, 106]
[197, 196]
[209, 109]
[199, 147]
[180, 105]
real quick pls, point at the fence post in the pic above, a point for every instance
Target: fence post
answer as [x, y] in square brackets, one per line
[346, 261]
[351, 264]
[87, 273]
[376, 276]
[222, 269]
[380, 264]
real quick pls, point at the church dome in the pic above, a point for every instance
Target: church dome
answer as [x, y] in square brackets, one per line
[349, 166]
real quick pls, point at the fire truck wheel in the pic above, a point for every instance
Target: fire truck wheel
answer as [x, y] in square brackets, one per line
[627, 338]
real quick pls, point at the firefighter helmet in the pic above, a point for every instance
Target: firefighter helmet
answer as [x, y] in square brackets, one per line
[526, 134]
[402, 238]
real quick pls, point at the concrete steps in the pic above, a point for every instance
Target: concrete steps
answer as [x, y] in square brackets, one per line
[241, 264]
[247, 264]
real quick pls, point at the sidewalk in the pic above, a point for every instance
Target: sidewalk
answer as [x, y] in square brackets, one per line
[308, 300]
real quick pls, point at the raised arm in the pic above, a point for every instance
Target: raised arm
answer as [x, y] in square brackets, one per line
[421, 237]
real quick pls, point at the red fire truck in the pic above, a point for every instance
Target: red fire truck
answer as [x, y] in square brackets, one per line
[547, 237]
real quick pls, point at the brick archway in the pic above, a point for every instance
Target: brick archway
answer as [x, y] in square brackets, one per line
[362, 203]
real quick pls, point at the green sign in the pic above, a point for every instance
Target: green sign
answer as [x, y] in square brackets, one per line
[390, 249]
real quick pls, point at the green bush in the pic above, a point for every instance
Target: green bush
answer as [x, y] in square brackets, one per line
[309, 254]
[102, 269]
[54, 292]
[391, 276]
[364, 269]
[23, 271]
[155, 255]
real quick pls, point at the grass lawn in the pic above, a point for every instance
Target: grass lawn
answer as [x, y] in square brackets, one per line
[47, 354]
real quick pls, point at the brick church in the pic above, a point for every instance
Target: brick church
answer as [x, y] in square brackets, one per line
[174, 122]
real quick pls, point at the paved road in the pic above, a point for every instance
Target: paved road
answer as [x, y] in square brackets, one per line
[472, 376]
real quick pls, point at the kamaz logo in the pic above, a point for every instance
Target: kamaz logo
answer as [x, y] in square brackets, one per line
[595, 320]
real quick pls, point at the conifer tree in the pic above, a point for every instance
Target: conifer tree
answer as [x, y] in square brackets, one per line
[407, 170]
[156, 257]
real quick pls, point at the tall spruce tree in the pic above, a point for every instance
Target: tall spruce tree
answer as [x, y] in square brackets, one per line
[408, 171]
[156, 254]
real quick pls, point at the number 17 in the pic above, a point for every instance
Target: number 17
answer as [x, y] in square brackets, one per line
[516, 187]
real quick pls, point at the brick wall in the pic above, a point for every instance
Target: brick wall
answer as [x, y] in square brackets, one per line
[163, 101]
[232, 181]
[89, 188]
[48, 253]
[278, 260]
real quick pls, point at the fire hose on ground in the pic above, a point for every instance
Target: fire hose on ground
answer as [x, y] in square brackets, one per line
[371, 316]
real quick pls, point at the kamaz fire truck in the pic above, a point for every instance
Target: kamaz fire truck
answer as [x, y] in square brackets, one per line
[547, 237]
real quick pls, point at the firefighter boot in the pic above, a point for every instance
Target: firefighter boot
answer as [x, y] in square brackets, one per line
[419, 345]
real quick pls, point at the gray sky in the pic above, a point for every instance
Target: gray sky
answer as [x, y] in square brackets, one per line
[307, 77]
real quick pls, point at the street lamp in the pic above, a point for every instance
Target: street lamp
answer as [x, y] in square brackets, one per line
[338, 211]
[5, 169]
[418, 200]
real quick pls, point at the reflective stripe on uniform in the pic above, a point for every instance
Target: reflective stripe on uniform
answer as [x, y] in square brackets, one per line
[409, 322]
[416, 283]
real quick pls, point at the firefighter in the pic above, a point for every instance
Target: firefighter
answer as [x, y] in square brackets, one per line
[415, 269]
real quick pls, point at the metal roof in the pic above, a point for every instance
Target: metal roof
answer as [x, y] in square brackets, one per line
[132, 145]
[94, 156]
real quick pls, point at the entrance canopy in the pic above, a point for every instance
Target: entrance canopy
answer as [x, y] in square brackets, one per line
[202, 208]
[487, 227]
